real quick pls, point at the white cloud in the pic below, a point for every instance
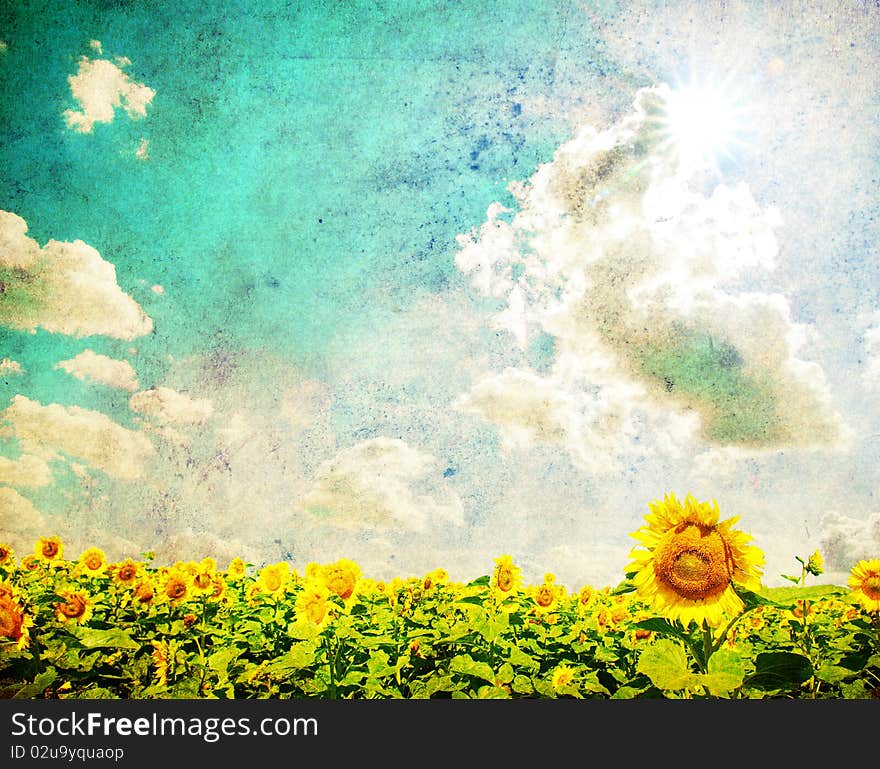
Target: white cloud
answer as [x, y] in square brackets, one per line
[87, 435]
[100, 87]
[381, 483]
[9, 367]
[635, 276]
[92, 366]
[844, 541]
[17, 514]
[165, 406]
[65, 288]
[28, 471]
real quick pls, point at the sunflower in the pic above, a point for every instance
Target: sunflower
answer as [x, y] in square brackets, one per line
[203, 577]
[144, 593]
[864, 581]
[690, 561]
[30, 563]
[546, 597]
[273, 579]
[176, 585]
[92, 562]
[434, 578]
[562, 675]
[236, 570]
[6, 555]
[341, 578]
[313, 604]
[218, 588]
[126, 573]
[49, 549]
[77, 607]
[507, 577]
[14, 620]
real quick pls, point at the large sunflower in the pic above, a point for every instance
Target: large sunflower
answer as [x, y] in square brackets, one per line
[506, 578]
[313, 604]
[76, 607]
[691, 561]
[864, 581]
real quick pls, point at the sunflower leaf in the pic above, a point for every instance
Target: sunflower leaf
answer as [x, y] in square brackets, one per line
[779, 670]
[662, 626]
[114, 638]
[666, 664]
[726, 672]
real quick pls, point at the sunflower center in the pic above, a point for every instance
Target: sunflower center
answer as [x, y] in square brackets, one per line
[93, 562]
[50, 549]
[505, 579]
[871, 587]
[176, 590]
[693, 563]
[544, 597]
[127, 573]
[75, 607]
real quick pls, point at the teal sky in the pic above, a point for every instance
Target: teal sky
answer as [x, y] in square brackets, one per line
[290, 212]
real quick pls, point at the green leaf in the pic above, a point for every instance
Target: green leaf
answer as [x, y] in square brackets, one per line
[666, 664]
[779, 670]
[796, 580]
[627, 586]
[833, 674]
[522, 685]
[750, 598]
[463, 663]
[301, 655]
[114, 638]
[664, 627]
[479, 582]
[726, 672]
[42, 682]
[220, 660]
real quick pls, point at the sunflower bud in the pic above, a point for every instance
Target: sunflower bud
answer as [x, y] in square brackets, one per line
[815, 564]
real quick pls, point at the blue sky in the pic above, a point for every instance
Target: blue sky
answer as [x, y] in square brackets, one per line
[343, 279]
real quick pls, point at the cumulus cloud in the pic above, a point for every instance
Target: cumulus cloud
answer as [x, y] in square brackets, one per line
[65, 288]
[637, 276]
[844, 541]
[93, 367]
[27, 471]
[100, 87]
[166, 406]
[9, 367]
[18, 518]
[87, 435]
[381, 483]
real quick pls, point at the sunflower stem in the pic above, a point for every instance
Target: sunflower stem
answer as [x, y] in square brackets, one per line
[707, 647]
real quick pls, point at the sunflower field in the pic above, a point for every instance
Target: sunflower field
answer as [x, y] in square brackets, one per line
[689, 619]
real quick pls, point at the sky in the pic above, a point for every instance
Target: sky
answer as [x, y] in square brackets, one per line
[423, 283]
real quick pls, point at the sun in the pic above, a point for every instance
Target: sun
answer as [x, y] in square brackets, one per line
[701, 124]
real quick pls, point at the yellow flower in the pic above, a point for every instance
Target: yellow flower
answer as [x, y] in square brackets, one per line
[218, 588]
[313, 604]
[273, 579]
[144, 593]
[434, 578]
[161, 656]
[236, 570]
[585, 596]
[690, 562]
[203, 577]
[341, 578]
[126, 573]
[176, 584]
[562, 675]
[815, 564]
[864, 581]
[93, 562]
[14, 621]
[6, 555]
[49, 549]
[506, 578]
[546, 597]
[77, 607]
[30, 563]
